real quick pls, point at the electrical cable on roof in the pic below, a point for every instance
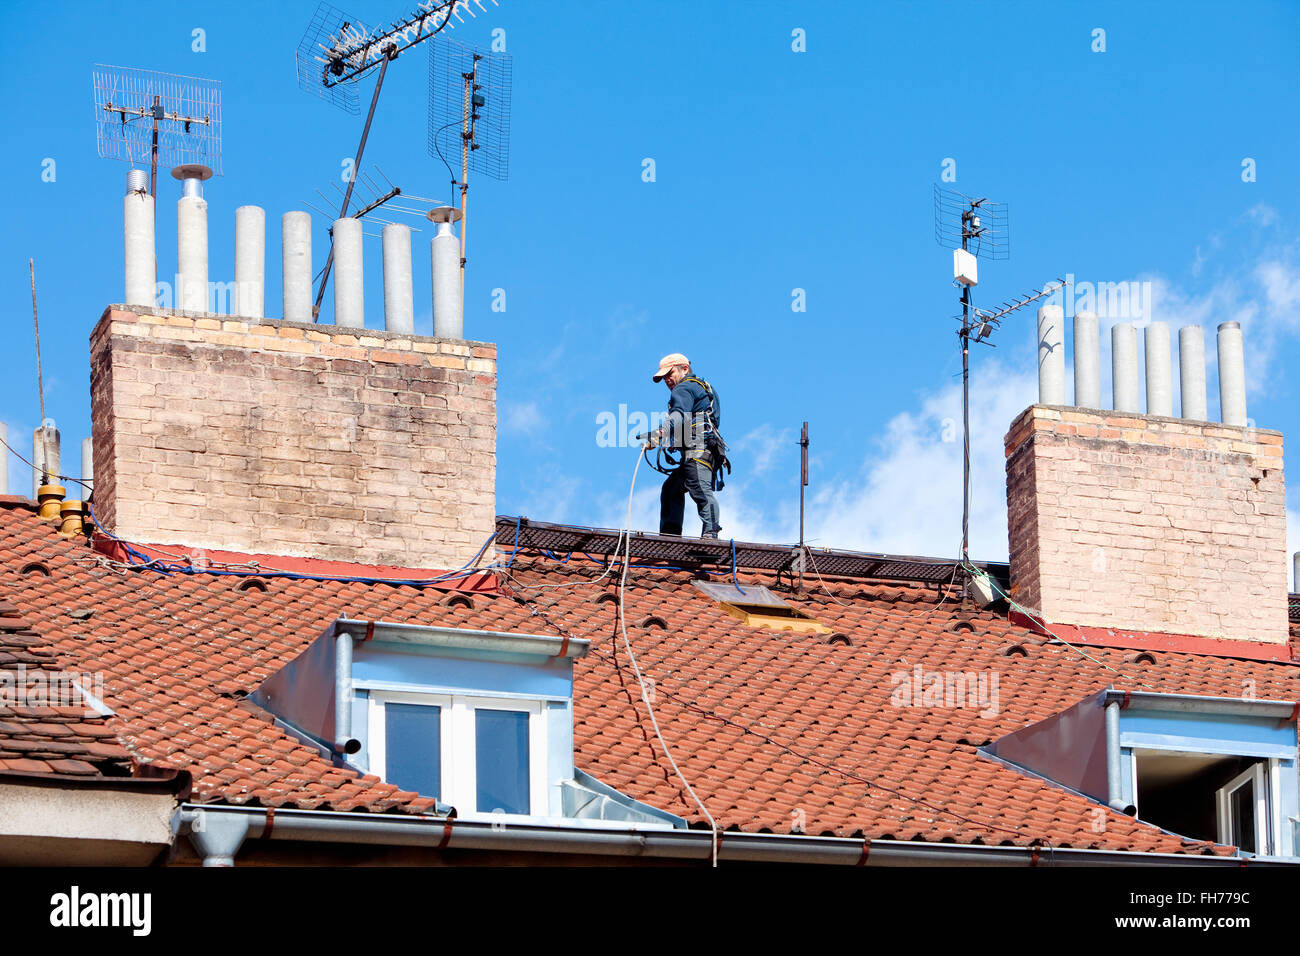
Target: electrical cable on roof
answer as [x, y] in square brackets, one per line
[636, 669]
[14, 452]
[145, 562]
[1043, 624]
[751, 729]
[808, 553]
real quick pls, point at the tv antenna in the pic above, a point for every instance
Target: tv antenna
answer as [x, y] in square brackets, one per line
[469, 100]
[163, 116]
[379, 200]
[974, 228]
[337, 50]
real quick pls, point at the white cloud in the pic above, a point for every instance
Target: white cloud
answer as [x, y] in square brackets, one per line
[522, 418]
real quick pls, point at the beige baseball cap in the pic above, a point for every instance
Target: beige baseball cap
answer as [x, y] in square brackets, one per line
[669, 362]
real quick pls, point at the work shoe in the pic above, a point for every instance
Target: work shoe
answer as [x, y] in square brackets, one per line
[710, 534]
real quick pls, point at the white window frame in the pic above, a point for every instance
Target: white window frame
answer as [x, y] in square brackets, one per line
[377, 738]
[459, 750]
[1264, 777]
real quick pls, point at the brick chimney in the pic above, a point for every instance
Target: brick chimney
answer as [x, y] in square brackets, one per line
[293, 439]
[1149, 524]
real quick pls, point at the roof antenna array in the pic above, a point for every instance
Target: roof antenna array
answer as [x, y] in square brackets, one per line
[974, 228]
[379, 201]
[141, 114]
[337, 50]
[469, 101]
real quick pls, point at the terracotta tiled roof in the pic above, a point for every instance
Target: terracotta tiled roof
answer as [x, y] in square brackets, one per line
[43, 729]
[775, 731]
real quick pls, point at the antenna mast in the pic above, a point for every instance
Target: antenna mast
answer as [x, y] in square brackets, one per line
[337, 50]
[469, 90]
[184, 114]
[803, 483]
[974, 228]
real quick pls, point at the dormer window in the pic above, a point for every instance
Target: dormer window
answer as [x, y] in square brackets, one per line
[1217, 769]
[479, 721]
[479, 754]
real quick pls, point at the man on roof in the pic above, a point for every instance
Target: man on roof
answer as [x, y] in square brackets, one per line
[690, 429]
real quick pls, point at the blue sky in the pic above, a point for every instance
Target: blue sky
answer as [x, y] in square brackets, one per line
[775, 170]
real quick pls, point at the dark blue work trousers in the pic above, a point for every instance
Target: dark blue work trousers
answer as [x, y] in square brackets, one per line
[696, 479]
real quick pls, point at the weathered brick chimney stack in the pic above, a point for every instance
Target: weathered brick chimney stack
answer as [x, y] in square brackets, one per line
[293, 439]
[1148, 524]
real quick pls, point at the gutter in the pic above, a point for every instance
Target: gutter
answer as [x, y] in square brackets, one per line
[218, 833]
[1192, 704]
[535, 645]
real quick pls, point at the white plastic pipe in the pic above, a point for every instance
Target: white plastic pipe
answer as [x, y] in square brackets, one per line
[1232, 375]
[1124, 367]
[295, 260]
[1051, 355]
[1191, 372]
[448, 318]
[87, 467]
[138, 242]
[250, 262]
[1295, 570]
[192, 253]
[1087, 360]
[349, 274]
[45, 456]
[399, 299]
[1160, 378]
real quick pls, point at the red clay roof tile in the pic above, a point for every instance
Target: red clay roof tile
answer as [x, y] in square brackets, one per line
[775, 731]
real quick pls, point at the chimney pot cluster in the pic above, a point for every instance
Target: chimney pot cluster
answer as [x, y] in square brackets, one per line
[249, 299]
[1125, 367]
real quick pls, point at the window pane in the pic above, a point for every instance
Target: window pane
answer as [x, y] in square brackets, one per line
[501, 743]
[414, 744]
[1242, 808]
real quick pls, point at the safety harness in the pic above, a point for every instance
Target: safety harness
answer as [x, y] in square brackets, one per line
[713, 443]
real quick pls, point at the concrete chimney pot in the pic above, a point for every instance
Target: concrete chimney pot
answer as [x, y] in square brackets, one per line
[250, 262]
[138, 244]
[192, 253]
[295, 261]
[1051, 355]
[1232, 375]
[1087, 360]
[399, 299]
[1191, 368]
[349, 274]
[1160, 382]
[1124, 368]
[46, 456]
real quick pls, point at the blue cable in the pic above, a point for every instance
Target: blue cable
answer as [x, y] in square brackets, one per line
[144, 562]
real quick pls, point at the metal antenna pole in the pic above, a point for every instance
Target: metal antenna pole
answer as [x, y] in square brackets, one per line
[153, 152]
[40, 384]
[466, 138]
[352, 180]
[965, 422]
[36, 322]
[803, 483]
[968, 219]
